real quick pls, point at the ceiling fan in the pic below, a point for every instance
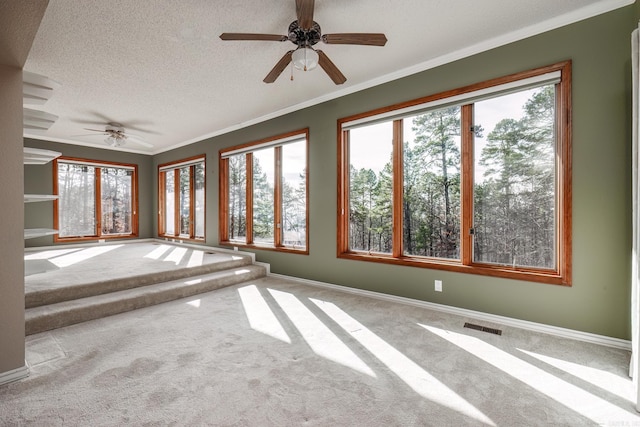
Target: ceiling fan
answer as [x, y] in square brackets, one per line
[116, 136]
[305, 33]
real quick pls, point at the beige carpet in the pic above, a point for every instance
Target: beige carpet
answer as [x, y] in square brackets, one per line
[76, 265]
[278, 353]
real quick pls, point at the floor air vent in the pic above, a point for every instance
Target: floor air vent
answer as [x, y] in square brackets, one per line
[483, 328]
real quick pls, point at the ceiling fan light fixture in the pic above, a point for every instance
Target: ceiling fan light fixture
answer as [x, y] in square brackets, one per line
[305, 58]
[113, 141]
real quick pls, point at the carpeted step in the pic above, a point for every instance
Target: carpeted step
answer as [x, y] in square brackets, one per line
[55, 295]
[52, 316]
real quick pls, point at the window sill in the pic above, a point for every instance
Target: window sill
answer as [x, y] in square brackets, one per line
[539, 276]
[182, 238]
[286, 249]
[57, 239]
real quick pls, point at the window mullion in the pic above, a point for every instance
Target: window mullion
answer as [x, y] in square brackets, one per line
[277, 197]
[398, 190]
[134, 203]
[466, 196]
[223, 189]
[98, 201]
[176, 202]
[249, 198]
[162, 188]
[192, 199]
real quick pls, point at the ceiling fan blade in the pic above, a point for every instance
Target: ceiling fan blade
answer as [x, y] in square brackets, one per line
[252, 36]
[304, 12]
[369, 39]
[279, 68]
[84, 135]
[330, 68]
[96, 130]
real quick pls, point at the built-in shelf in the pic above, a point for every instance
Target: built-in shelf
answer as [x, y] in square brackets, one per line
[30, 198]
[36, 88]
[37, 120]
[32, 233]
[38, 156]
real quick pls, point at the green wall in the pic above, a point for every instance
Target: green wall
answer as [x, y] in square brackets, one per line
[598, 301]
[38, 180]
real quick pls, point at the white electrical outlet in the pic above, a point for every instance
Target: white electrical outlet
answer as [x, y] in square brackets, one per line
[438, 285]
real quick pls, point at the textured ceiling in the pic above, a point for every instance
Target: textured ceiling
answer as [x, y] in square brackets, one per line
[160, 69]
[18, 26]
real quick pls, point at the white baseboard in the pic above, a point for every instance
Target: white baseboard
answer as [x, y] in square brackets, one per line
[507, 321]
[14, 375]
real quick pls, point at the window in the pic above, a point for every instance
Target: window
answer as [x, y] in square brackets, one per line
[181, 199]
[474, 180]
[263, 193]
[95, 199]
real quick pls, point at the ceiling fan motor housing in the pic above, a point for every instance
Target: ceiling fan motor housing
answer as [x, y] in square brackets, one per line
[301, 37]
[113, 127]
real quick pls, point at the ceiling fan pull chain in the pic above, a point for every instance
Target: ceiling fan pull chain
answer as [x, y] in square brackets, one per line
[291, 70]
[305, 59]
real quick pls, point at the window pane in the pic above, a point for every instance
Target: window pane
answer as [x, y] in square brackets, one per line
[263, 204]
[294, 194]
[431, 199]
[370, 188]
[169, 202]
[116, 196]
[185, 200]
[76, 201]
[199, 207]
[237, 198]
[514, 201]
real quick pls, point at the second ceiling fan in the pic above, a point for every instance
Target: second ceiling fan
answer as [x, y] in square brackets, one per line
[305, 33]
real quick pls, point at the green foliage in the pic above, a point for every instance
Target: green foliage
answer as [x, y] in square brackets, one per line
[514, 206]
[294, 205]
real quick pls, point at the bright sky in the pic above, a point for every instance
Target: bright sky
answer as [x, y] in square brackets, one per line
[371, 146]
[293, 161]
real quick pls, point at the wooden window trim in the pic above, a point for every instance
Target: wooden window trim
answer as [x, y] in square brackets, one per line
[277, 198]
[223, 197]
[249, 196]
[162, 183]
[98, 200]
[562, 275]
[176, 203]
[165, 168]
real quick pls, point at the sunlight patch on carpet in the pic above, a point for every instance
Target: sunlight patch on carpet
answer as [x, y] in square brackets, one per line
[259, 315]
[50, 254]
[567, 394]
[158, 252]
[196, 259]
[319, 337]
[622, 387]
[83, 255]
[423, 383]
[176, 255]
[195, 303]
